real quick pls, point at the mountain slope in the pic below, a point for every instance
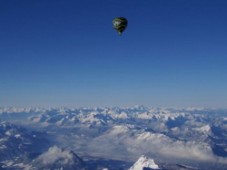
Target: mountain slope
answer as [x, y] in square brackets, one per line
[144, 163]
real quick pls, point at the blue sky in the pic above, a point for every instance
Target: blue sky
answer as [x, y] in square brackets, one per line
[66, 53]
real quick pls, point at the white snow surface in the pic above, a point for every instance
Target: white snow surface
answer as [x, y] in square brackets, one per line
[144, 162]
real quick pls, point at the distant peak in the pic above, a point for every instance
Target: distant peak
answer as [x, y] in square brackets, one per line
[144, 162]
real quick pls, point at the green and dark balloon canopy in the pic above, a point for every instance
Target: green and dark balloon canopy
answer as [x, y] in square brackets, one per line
[119, 24]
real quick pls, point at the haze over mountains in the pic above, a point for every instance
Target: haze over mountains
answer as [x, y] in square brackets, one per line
[113, 138]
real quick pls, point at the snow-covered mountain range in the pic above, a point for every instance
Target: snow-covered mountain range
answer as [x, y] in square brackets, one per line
[189, 137]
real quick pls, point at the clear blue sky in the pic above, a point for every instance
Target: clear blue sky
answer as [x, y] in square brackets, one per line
[66, 53]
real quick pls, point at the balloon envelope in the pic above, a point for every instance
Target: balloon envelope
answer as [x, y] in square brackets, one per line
[119, 24]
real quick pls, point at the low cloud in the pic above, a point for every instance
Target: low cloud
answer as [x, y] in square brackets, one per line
[158, 146]
[55, 154]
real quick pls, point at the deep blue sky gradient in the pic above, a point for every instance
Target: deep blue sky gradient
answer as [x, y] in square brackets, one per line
[66, 53]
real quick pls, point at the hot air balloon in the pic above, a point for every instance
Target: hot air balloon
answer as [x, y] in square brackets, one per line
[119, 24]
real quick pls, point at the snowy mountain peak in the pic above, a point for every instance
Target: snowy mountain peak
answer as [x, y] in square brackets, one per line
[144, 162]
